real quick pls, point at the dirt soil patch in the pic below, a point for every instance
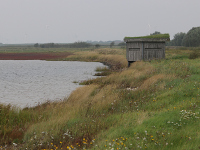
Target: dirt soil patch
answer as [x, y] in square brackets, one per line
[34, 56]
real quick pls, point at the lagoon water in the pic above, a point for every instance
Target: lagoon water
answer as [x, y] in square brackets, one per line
[25, 83]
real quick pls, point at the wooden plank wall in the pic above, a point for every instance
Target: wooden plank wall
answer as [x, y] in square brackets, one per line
[152, 50]
[133, 51]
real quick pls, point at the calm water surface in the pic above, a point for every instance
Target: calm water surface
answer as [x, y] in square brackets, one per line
[29, 82]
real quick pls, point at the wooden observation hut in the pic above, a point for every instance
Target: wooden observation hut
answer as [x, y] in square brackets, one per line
[145, 47]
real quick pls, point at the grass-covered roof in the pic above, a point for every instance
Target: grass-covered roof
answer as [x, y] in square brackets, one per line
[156, 36]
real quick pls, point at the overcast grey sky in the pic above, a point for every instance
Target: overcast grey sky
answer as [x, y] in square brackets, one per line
[41, 21]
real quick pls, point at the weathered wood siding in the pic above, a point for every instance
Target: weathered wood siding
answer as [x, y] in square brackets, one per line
[141, 50]
[154, 51]
[133, 51]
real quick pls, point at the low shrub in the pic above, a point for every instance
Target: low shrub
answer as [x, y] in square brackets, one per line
[195, 54]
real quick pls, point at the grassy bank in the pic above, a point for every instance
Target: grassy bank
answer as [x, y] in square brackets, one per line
[151, 105]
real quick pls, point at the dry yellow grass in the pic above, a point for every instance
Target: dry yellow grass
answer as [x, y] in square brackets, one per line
[116, 61]
[142, 66]
[84, 56]
[105, 96]
[152, 80]
[112, 51]
[80, 96]
[93, 96]
[130, 77]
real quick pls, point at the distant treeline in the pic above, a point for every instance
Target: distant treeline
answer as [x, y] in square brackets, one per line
[189, 39]
[104, 42]
[75, 45]
[68, 45]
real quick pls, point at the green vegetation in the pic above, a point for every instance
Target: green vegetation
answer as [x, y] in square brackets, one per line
[151, 105]
[112, 44]
[177, 40]
[97, 45]
[153, 36]
[192, 38]
[122, 44]
[195, 54]
[189, 39]
[156, 32]
[103, 71]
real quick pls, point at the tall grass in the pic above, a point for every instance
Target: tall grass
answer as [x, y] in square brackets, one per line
[14, 122]
[114, 58]
[151, 105]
